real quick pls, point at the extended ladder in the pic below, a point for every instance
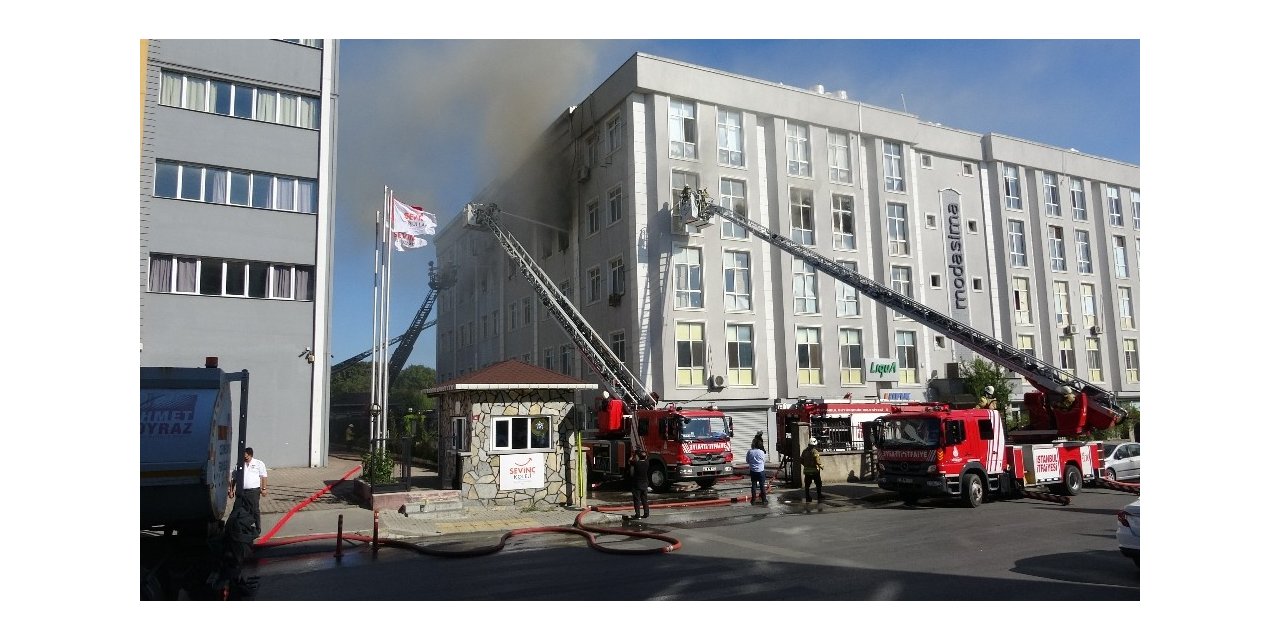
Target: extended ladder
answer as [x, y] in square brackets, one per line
[617, 379]
[698, 210]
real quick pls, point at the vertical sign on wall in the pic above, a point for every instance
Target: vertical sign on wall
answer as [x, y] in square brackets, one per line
[957, 275]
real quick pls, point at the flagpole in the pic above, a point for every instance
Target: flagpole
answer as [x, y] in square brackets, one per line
[386, 312]
[377, 306]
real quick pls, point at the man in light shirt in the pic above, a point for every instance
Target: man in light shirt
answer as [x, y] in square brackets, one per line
[253, 485]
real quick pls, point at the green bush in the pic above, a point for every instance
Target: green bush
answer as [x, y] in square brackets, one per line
[377, 466]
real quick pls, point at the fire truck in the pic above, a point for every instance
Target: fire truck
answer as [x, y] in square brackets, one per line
[683, 444]
[933, 449]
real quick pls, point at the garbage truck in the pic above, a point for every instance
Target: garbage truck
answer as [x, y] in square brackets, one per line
[187, 442]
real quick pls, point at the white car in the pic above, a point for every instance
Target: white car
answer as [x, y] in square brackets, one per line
[1127, 530]
[1121, 461]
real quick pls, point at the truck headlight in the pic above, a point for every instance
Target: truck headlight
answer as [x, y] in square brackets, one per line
[933, 468]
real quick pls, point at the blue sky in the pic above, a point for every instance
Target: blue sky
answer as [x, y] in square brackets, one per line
[433, 119]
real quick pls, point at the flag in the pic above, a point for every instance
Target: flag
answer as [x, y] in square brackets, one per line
[410, 225]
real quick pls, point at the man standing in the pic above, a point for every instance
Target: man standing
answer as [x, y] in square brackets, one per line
[640, 483]
[755, 463]
[811, 464]
[252, 486]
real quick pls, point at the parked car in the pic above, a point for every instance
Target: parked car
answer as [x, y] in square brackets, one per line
[1127, 530]
[1121, 460]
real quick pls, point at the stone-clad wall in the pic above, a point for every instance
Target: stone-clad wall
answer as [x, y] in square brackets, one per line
[480, 467]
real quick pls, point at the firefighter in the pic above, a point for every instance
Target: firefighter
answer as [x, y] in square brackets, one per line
[811, 464]
[640, 483]
[988, 399]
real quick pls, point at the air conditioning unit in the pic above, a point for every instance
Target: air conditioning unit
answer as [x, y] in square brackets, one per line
[615, 299]
[1095, 330]
[584, 173]
[716, 382]
[1069, 330]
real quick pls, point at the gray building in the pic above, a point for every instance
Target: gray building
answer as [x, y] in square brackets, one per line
[236, 190]
[1032, 244]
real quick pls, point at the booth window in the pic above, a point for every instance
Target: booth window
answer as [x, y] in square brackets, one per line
[522, 434]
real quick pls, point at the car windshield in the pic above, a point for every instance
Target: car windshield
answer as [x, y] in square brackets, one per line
[910, 432]
[1108, 448]
[704, 428]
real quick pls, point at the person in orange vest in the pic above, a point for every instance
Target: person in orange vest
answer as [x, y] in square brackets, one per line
[988, 400]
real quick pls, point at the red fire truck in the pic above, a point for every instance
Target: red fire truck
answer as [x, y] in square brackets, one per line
[932, 449]
[682, 444]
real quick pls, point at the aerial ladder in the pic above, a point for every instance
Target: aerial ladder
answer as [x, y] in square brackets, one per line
[437, 280]
[1063, 403]
[617, 379]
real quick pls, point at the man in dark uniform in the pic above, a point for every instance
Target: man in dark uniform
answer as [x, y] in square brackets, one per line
[640, 483]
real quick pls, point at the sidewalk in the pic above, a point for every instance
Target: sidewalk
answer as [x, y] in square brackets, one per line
[288, 487]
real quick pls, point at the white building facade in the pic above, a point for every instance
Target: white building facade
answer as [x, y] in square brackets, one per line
[1035, 245]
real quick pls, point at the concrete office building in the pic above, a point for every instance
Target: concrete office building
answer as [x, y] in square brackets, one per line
[236, 189]
[1032, 244]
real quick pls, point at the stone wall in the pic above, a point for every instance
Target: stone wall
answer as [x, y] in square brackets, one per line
[480, 467]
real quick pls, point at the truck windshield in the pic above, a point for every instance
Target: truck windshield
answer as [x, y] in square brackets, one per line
[704, 428]
[910, 432]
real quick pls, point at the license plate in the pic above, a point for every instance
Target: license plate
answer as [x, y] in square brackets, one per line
[906, 480]
[708, 469]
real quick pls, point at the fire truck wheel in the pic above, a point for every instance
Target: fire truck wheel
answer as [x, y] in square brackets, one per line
[1072, 481]
[971, 490]
[658, 475]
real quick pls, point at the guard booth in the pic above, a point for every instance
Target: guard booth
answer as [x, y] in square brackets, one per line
[506, 435]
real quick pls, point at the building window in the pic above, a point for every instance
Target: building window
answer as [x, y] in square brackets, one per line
[901, 280]
[850, 356]
[688, 274]
[684, 129]
[314, 43]
[217, 185]
[460, 440]
[802, 228]
[742, 356]
[594, 284]
[1130, 360]
[593, 217]
[798, 151]
[926, 161]
[615, 204]
[808, 355]
[229, 278]
[1120, 256]
[1115, 215]
[614, 132]
[838, 158]
[566, 359]
[931, 221]
[549, 359]
[1052, 201]
[1017, 244]
[1027, 344]
[521, 434]
[618, 345]
[893, 167]
[526, 307]
[1093, 354]
[1088, 306]
[847, 295]
[907, 363]
[1057, 250]
[733, 196]
[977, 284]
[1126, 308]
[1022, 301]
[1066, 354]
[972, 225]
[804, 284]
[238, 100]
[842, 228]
[737, 281]
[729, 138]
[1137, 209]
[1078, 209]
[680, 180]
[691, 354]
[513, 314]
[935, 280]
[1012, 187]
[1084, 258]
[899, 244]
[966, 168]
[617, 277]
[1061, 304]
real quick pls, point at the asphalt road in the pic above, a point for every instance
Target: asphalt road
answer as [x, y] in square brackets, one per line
[1005, 550]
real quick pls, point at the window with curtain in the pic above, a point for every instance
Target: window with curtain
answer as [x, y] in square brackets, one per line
[160, 280]
[187, 268]
[170, 89]
[288, 109]
[729, 138]
[284, 193]
[305, 288]
[266, 106]
[309, 112]
[215, 186]
[737, 281]
[194, 97]
[239, 188]
[798, 150]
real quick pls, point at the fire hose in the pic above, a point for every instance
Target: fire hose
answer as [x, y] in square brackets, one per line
[1127, 487]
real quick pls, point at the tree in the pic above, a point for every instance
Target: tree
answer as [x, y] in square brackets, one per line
[977, 374]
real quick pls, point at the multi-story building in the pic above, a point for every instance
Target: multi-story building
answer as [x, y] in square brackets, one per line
[236, 182]
[1032, 244]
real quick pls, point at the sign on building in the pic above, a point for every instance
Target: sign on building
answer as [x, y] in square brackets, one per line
[901, 395]
[522, 471]
[882, 370]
